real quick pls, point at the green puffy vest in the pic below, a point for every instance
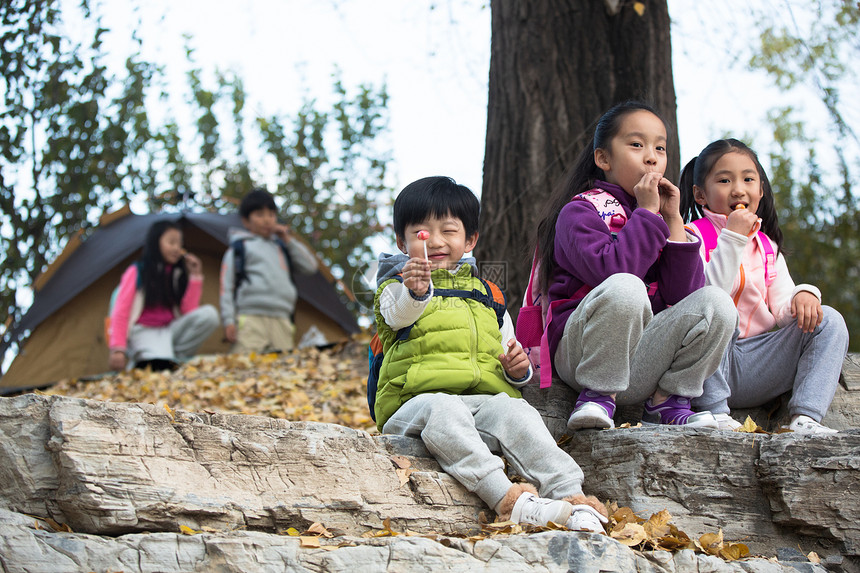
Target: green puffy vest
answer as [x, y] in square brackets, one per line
[453, 348]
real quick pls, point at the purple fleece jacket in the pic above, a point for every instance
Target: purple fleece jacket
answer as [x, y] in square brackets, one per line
[587, 254]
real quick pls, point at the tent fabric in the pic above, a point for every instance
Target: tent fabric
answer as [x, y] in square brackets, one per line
[109, 249]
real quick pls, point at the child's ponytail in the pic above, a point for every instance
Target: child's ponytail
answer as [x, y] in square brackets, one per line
[690, 210]
[697, 170]
[580, 178]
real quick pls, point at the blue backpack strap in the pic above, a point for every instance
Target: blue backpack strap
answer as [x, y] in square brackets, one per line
[493, 298]
[374, 357]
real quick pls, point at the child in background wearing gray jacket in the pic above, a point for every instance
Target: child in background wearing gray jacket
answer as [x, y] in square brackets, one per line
[257, 308]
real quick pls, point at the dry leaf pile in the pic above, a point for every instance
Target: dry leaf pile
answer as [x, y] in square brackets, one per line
[327, 385]
[658, 533]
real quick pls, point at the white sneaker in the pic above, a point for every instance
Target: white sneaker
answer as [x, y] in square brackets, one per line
[535, 510]
[807, 426]
[587, 518]
[590, 415]
[726, 422]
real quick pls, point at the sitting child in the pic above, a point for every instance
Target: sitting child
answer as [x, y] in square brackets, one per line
[451, 366]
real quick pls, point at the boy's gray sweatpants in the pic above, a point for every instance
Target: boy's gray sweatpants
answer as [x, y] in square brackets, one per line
[756, 370]
[462, 432]
[613, 343]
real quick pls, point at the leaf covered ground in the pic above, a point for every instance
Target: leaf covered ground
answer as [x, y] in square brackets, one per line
[321, 385]
[329, 385]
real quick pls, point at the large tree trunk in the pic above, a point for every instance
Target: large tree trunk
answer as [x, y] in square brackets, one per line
[555, 67]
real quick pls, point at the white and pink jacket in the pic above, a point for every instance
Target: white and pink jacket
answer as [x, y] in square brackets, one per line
[737, 267]
[128, 308]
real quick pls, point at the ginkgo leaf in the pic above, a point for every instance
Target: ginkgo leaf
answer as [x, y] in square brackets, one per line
[639, 7]
[319, 529]
[750, 427]
[629, 534]
[309, 541]
[711, 543]
[403, 475]
[187, 530]
[734, 551]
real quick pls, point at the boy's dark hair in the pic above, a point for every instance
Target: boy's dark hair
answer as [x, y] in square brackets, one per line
[159, 287]
[255, 200]
[436, 197]
[697, 170]
[581, 178]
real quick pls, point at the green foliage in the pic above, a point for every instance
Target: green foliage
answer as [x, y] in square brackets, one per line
[65, 142]
[815, 178]
[77, 139]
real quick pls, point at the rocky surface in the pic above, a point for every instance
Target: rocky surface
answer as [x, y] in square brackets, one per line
[98, 486]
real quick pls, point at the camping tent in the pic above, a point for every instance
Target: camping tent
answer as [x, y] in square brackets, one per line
[70, 299]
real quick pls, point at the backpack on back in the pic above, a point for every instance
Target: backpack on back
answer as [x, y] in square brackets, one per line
[709, 238]
[240, 274]
[495, 301]
[536, 311]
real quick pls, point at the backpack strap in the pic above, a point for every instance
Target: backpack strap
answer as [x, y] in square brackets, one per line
[494, 299]
[709, 235]
[608, 207]
[768, 254]
[238, 246]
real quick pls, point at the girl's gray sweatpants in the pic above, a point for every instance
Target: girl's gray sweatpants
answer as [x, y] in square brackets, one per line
[613, 343]
[756, 370]
[462, 432]
[177, 341]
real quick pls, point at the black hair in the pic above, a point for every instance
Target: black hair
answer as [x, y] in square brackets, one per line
[697, 170]
[436, 197]
[255, 200]
[159, 287]
[581, 178]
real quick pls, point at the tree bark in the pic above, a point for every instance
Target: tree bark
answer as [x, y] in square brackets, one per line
[555, 67]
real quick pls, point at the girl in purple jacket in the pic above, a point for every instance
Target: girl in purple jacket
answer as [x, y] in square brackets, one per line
[629, 316]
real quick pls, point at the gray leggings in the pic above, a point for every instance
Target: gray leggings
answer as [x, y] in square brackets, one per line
[462, 432]
[756, 370]
[613, 343]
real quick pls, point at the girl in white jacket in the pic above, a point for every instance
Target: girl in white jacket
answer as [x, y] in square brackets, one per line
[786, 340]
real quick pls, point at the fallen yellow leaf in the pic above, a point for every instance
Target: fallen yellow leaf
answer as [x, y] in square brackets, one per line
[311, 541]
[711, 543]
[187, 530]
[319, 529]
[639, 7]
[403, 475]
[629, 534]
[734, 551]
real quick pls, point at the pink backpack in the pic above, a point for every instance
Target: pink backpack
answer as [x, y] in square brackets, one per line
[709, 238]
[536, 312]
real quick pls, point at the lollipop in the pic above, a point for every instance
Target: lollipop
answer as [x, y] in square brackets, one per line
[740, 206]
[424, 235]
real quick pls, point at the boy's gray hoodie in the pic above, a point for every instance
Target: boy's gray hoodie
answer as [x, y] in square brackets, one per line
[269, 290]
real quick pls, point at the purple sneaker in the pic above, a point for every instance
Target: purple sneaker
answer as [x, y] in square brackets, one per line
[592, 410]
[676, 411]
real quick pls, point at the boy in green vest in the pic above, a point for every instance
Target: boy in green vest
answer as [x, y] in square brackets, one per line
[452, 365]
